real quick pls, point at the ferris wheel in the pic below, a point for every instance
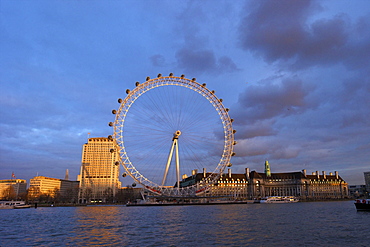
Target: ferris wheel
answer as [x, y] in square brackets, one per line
[167, 130]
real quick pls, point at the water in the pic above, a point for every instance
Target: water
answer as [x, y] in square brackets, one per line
[304, 223]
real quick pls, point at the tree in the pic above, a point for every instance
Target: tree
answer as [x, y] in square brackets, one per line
[34, 193]
[9, 193]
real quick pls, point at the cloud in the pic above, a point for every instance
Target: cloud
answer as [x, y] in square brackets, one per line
[268, 100]
[259, 128]
[203, 61]
[283, 31]
[158, 60]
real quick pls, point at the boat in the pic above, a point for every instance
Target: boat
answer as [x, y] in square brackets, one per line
[13, 205]
[362, 204]
[279, 199]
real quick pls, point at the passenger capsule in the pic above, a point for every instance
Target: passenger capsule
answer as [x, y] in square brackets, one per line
[234, 131]
[227, 109]
[204, 85]
[110, 124]
[114, 111]
[110, 137]
[232, 120]
[111, 150]
[182, 76]
[147, 78]
[116, 163]
[235, 142]
[213, 91]
[159, 75]
[120, 101]
[229, 165]
[133, 185]
[137, 83]
[128, 91]
[221, 100]
[194, 79]
[171, 74]
[233, 154]
[124, 174]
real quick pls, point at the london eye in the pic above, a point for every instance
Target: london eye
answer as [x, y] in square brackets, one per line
[170, 128]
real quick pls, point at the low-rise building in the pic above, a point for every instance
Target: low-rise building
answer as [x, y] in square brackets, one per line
[357, 191]
[53, 187]
[254, 185]
[13, 189]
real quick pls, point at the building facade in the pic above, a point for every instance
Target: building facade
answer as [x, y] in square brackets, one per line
[53, 187]
[357, 191]
[44, 185]
[255, 185]
[99, 174]
[13, 189]
[367, 182]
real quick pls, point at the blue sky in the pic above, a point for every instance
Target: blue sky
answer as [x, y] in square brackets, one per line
[295, 75]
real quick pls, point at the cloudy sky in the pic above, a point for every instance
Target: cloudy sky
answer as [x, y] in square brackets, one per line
[295, 75]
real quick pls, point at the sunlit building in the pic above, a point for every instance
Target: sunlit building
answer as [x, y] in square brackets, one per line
[254, 185]
[12, 188]
[99, 172]
[53, 187]
[44, 185]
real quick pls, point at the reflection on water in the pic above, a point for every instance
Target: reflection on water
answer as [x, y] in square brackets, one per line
[308, 224]
[96, 226]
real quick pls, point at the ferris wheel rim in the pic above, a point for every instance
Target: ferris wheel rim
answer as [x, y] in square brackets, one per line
[141, 89]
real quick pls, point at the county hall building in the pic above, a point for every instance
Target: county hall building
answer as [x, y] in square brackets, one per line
[255, 185]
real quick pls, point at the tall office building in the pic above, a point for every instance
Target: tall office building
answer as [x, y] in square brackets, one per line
[367, 181]
[99, 172]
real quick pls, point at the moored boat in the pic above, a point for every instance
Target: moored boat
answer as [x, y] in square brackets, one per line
[279, 199]
[13, 205]
[362, 204]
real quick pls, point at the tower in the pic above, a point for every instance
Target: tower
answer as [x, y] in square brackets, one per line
[267, 169]
[99, 171]
[66, 177]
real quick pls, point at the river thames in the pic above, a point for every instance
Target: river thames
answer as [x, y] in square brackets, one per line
[304, 223]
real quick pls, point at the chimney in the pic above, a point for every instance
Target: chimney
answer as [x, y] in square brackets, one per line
[336, 175]
[229, 172]
[317, 174]
[247, 173]
[330, 173]
[304, 172]
[204, 172]
[324, 174]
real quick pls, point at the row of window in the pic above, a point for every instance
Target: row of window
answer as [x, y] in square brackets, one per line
[97, 176]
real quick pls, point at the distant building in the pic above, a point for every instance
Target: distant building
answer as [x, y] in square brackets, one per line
[129, 194]
[356, 191]
[52, 186]
[12, 189]
[367, 181]
[99, 172]
[250, 185]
